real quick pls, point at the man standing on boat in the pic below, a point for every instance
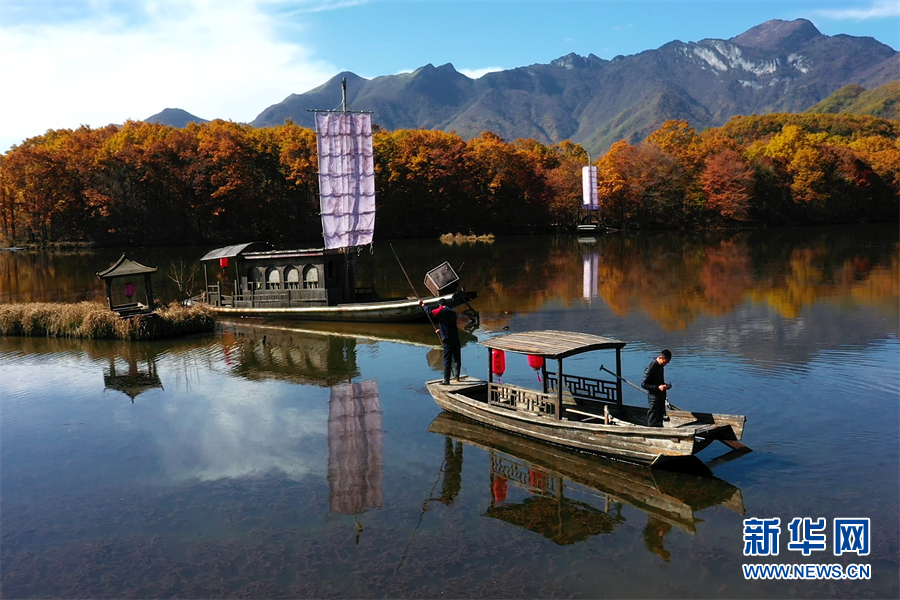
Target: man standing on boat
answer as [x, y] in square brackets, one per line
[656, 386]
[446, 318]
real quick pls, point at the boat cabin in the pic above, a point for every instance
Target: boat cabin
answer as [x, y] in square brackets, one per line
[254, 275]
[543, 347]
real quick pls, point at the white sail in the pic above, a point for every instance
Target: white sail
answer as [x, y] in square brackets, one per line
[589, 187]
[346, 178]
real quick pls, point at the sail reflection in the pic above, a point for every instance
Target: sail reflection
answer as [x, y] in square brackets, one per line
[355, 462]
[571, 497]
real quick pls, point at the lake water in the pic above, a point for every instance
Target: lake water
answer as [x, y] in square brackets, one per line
[308, 460]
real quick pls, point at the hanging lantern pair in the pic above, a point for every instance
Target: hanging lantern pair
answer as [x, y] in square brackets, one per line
[498, 363]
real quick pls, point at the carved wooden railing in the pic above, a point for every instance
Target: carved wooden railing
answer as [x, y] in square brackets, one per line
[519, 398]
[585, 388]
[524, 475]
[281, 298]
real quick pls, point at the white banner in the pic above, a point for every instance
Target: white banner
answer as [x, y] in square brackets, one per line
[589, 187]
[346, 178]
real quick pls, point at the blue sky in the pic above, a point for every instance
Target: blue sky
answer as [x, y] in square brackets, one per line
[65, 64]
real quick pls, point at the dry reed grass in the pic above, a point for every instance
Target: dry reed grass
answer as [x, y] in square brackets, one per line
[93, 320]
[461, 238]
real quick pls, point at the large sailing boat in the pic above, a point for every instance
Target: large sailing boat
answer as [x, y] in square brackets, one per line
[320, 283]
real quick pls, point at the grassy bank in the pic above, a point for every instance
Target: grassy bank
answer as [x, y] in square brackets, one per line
[92, 320]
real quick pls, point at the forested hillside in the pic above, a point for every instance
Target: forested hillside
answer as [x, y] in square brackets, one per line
[220, 182]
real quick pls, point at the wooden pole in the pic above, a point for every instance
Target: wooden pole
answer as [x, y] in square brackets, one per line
[409, 281]
[559, 391]
[602, 368]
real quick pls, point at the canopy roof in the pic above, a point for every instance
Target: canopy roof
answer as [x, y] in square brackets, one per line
[560, 520]
[232, 251]
[552, 344]
[125, 267]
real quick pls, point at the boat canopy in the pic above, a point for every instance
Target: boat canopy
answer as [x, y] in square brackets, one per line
[552, 344]
[232, 251]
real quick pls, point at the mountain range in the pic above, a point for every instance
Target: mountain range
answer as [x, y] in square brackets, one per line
[778, 66]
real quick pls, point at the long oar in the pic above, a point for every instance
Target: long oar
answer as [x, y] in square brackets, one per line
[668, 404]
[409, 281]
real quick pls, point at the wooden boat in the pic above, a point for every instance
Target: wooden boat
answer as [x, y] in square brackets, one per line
[319, 284]
[312, 284]
[578, 412]
[670, 497]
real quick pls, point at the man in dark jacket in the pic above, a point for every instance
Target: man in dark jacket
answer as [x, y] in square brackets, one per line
[656, 386]
[446, 320]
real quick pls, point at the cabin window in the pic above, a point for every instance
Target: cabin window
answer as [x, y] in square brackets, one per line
[310, 277]
[291, 278]
[273, 279]
[254, 279]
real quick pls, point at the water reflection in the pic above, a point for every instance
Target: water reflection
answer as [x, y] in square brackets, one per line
[263, 351]
[354, 448]
[674, 278]
[569, 497]
[135, 380]
[590, 286]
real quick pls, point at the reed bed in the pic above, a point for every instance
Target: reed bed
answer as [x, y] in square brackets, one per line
[461, 238]
[93, 320]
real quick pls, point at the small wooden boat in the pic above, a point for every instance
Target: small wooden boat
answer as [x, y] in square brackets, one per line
[578, 412]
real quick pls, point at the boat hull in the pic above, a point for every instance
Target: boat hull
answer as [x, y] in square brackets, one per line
[387, 311]
[680, 438]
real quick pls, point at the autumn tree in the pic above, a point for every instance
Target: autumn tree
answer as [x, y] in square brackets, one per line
[728, 185]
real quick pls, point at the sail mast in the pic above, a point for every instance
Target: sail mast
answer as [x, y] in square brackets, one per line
[346, 175]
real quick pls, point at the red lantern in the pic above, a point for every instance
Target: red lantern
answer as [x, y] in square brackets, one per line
[223, 262]
[129, 290]
[536, 362]
[498, 362]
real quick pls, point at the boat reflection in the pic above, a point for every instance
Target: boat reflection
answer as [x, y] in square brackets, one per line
[552, 477]
[260, 351]
[315, 353]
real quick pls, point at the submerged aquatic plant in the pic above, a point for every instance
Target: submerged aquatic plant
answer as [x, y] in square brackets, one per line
[93, 320]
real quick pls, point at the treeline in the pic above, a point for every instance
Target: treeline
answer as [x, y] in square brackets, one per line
[776, 169]
[150, 184]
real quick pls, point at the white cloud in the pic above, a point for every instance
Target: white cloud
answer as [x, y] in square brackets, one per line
[213, 59]
[879, 9]
[476, 73]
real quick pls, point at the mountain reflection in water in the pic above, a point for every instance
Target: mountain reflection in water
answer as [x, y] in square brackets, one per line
[551, 476]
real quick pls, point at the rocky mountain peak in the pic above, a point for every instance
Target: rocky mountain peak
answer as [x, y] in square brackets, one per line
[774, 34]
[570, 61]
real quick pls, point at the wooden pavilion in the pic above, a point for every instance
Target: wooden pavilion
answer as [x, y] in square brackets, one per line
[126, 281]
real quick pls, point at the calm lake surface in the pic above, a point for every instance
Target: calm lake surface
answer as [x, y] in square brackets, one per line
[292, 459]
